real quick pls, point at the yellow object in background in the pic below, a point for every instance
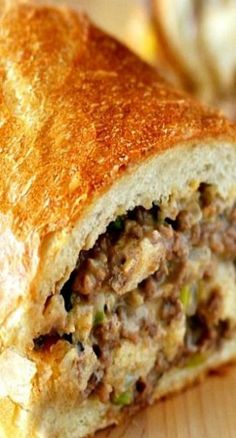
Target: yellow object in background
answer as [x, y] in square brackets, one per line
[140, 34]
[128, 20]
[198, 45]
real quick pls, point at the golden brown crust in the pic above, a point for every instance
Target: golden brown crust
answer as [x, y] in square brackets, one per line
[77, 109]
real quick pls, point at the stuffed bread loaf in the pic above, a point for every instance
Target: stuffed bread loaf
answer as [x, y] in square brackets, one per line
[117, 230]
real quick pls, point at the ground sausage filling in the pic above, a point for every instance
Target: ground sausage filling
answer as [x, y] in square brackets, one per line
[157, 291]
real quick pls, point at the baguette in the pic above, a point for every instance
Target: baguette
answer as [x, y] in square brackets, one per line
[117, 230]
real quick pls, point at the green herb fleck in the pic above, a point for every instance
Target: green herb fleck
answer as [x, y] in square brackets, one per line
[117, 225]
[124, 399]
[99, 317]
[196, 360]
[185, 296]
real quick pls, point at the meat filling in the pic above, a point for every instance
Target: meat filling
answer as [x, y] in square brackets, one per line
[157, 291]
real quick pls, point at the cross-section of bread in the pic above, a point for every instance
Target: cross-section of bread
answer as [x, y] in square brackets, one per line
[117, 230]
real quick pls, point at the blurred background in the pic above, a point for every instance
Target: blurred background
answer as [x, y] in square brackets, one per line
[192, 42]
[128, 20]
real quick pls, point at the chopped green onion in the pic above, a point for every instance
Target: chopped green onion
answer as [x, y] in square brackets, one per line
[196, 360]
[185, 296]
[124, 399]
[117, 225]
[99, 317]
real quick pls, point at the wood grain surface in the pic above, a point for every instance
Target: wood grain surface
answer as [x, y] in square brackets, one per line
[207, 410]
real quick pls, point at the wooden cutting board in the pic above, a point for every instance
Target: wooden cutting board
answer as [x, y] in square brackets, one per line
[207, 410]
